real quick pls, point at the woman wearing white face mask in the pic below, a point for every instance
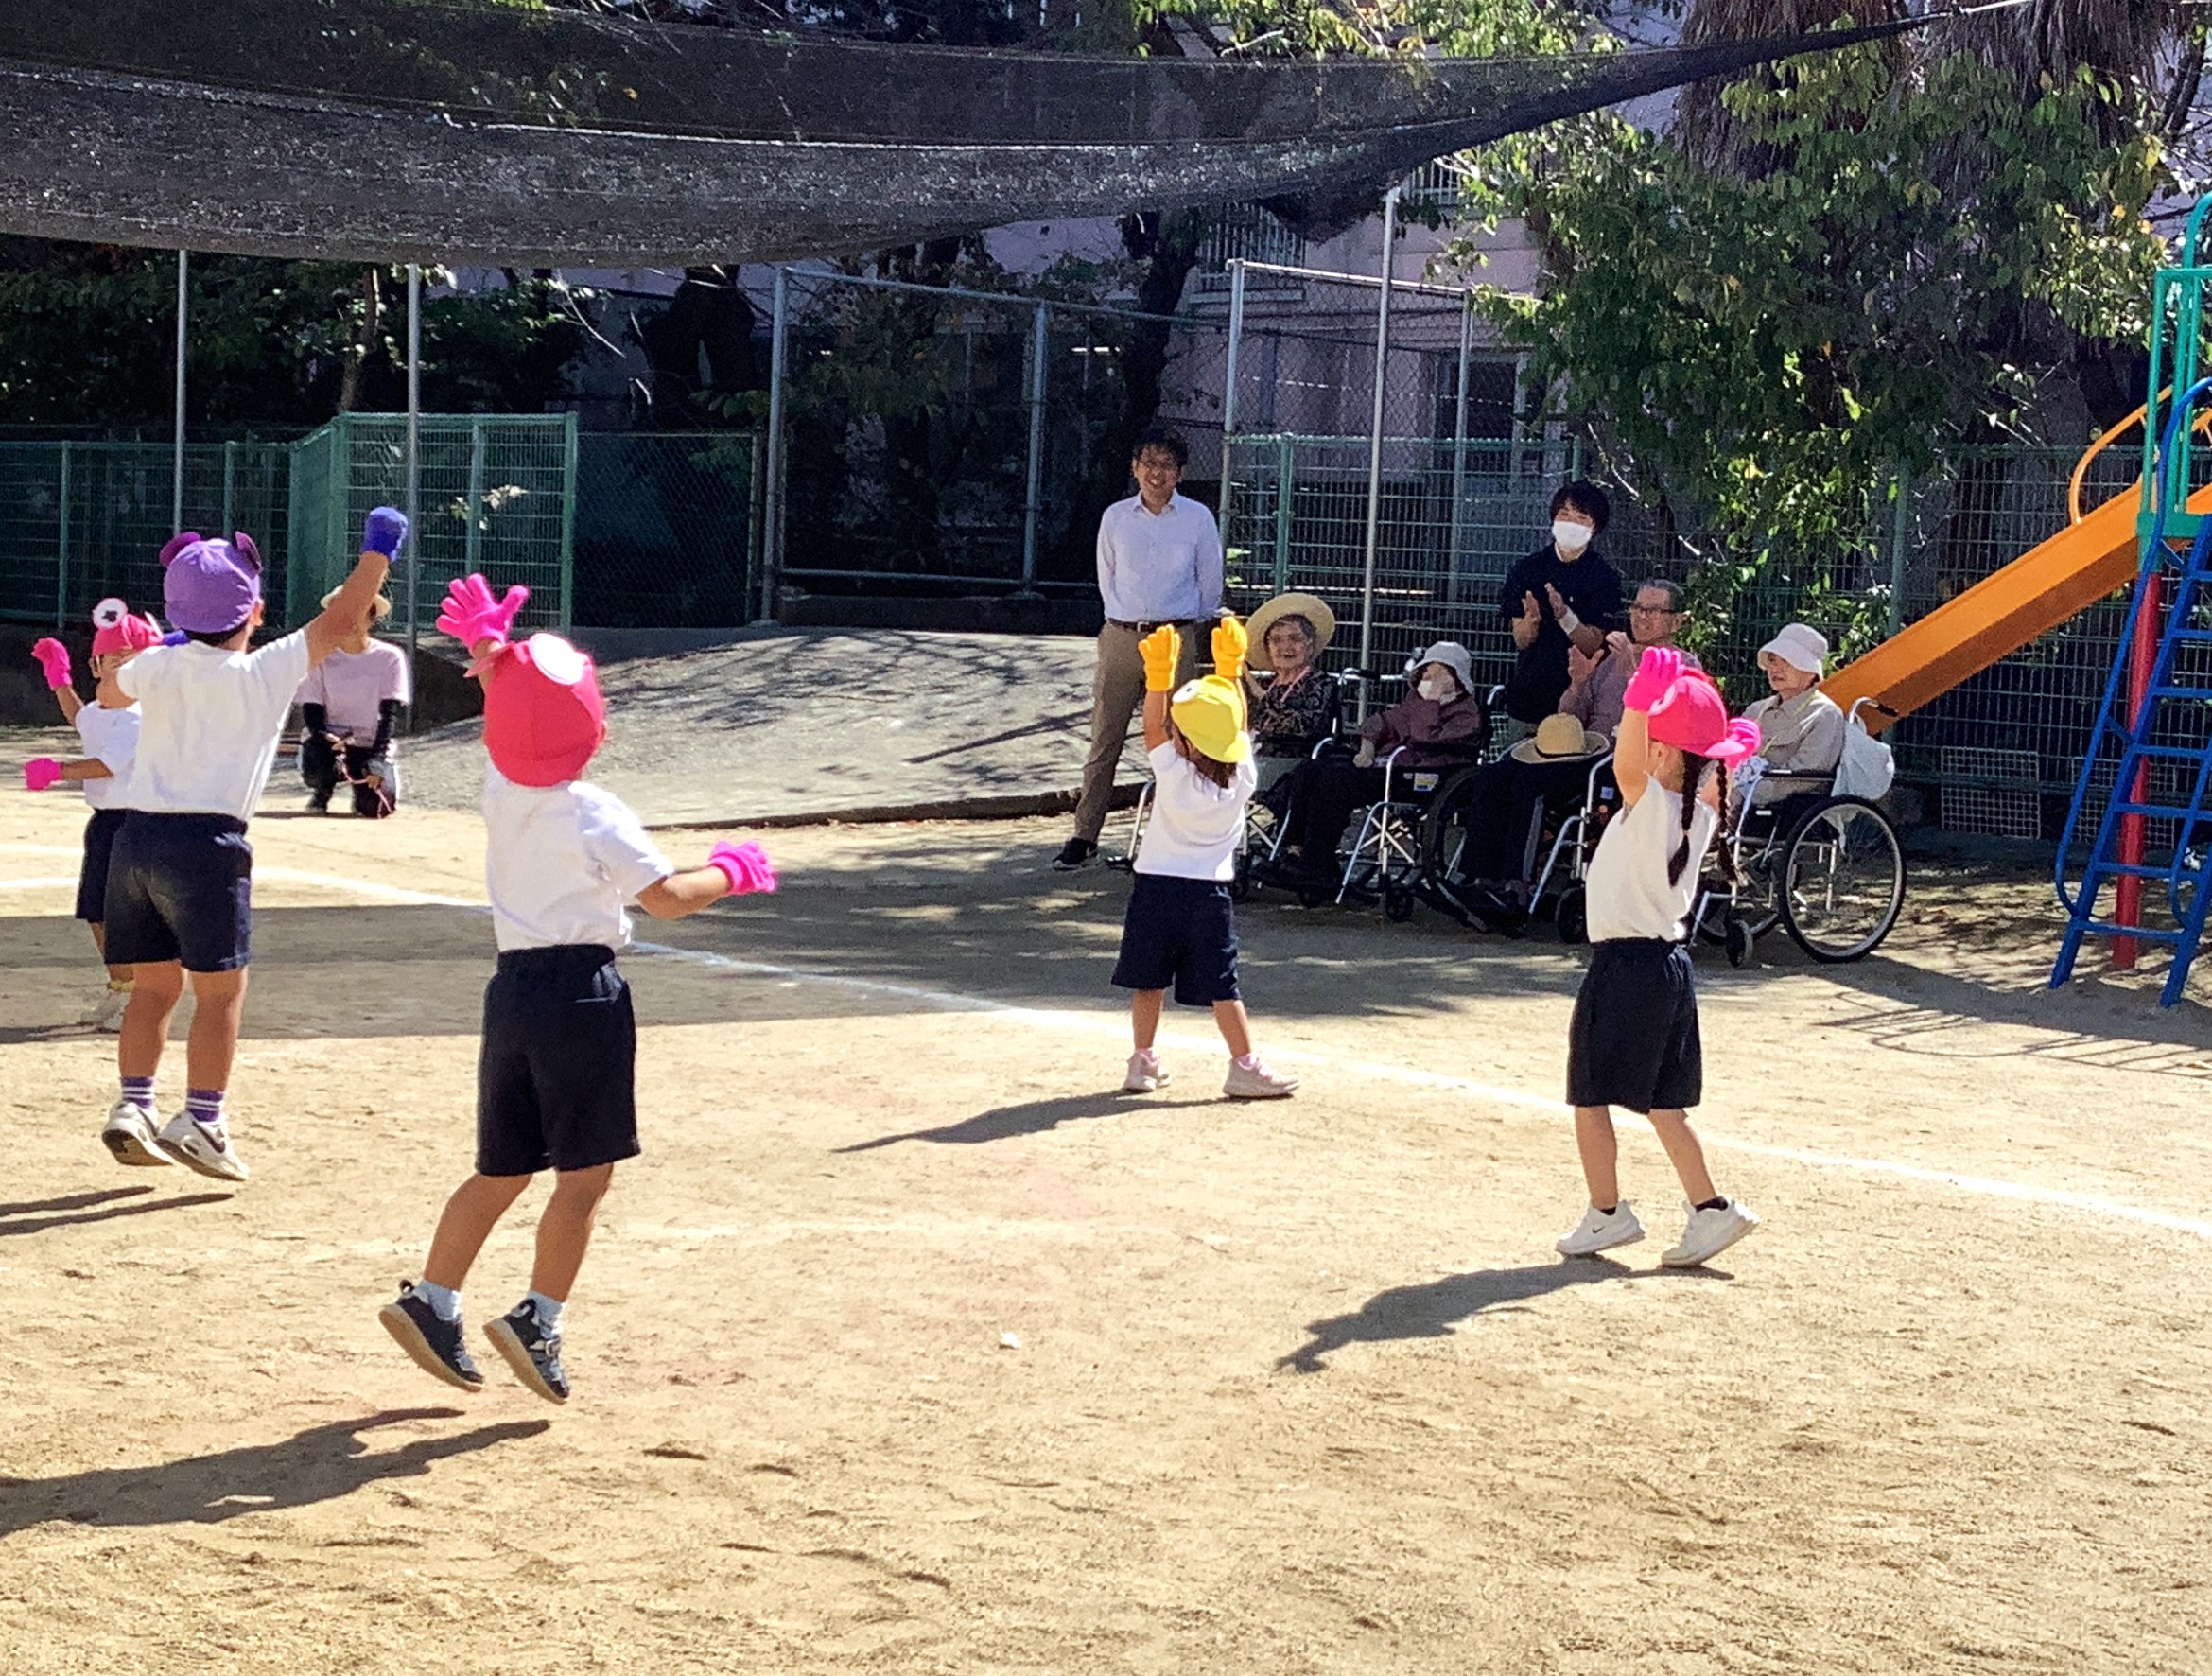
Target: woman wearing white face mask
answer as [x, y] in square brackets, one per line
[1441, 724]
[1564, 594]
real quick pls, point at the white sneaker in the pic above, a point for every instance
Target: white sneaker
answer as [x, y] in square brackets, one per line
[1710, 1232]
[1598, 1232]
[129, 1135]
[1145, 1072]
[107, 1012]
[206, 1147]
[1256, 1082]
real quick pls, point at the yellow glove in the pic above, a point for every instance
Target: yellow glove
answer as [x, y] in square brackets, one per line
[1161, 649]
[1230, 643]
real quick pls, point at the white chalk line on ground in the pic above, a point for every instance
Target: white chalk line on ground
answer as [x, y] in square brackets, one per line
[1065, 1019]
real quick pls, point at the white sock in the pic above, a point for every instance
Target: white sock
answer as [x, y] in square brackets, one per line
[444, 1301]
[548, 1310]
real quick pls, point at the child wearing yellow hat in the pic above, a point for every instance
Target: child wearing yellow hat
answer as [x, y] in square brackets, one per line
[1181, 929]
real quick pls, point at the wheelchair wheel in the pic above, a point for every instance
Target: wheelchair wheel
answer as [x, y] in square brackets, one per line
[1740, 939]
[1398, 904]
[1842, 879]
[1444, 827]
[1572, 916]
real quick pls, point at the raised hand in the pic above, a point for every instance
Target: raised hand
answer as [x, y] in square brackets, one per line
[1161, 649]
[39, 773]
[745, 865]
[1661, 668]
[1559, 606]
[1620, 645]
[472, 615]
[54, 660]
[1581, 664]
[1530, 611]
[1231, 644]
[385, 532]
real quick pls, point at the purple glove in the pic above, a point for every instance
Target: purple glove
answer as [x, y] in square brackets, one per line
[54, 658]
[745, 865]
[1659, 671]
[386, 530]
[471, 614]
[41, 772]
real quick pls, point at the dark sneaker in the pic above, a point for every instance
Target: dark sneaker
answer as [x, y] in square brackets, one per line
[436, 1345]
[532, 1351]
[1076, 852]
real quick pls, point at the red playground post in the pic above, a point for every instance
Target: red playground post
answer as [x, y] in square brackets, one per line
[2142, 658]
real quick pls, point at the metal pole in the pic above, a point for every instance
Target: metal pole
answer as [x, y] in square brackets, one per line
[1375, 440]
[569, 441]
[1285, 498]
[1037, 350]
[1229, 391]
[177, 458]
[230, 488]
[413, 570]
[1900, 562]
[62, 565]
[2127, 907]
[772, 532]
[1459, 449]
[473, 540]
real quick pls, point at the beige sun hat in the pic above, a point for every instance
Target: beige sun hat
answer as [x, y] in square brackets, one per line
[382, 603]
[1798, 645]
[1560, 738]
[1311, 606]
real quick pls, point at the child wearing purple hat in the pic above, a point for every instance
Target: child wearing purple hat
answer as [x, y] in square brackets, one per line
[180, 879]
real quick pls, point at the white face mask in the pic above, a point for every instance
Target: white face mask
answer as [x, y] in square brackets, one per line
[1437, 689]
[1572, 537]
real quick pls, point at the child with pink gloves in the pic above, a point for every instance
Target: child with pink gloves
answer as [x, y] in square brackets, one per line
[110, 732]
[555, 1077]
[1633, 1041]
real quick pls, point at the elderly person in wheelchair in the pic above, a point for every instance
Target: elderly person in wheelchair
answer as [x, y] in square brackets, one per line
[1294, 707]
[1442, 724]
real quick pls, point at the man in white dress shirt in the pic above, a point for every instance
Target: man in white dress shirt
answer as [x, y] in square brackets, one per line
[1158, 561]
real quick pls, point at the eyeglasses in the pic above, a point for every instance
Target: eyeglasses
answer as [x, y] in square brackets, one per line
[1655, 610]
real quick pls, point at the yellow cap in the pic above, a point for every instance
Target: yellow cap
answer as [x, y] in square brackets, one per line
[1210, 712]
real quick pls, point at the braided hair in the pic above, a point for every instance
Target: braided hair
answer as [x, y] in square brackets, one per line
[1694, 768]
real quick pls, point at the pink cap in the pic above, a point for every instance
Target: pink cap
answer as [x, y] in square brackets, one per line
[544, 717]
[115, 630]
[1694, 717]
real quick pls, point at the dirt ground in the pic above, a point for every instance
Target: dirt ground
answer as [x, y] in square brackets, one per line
[910, 1346]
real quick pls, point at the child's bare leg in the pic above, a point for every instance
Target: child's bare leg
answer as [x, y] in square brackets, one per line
[1685, 1153]
[219, 1005]
[146, 1021]
[1601, 1151]
[466, 1222]
[564, 1229]
[1144, 1016]
[1236, 1029]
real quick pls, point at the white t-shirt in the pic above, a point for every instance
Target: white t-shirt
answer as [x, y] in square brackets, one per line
[351, 686]
[562, 863]
[210, 720]
[1194, 824]
[113, 736]
[1627, 895]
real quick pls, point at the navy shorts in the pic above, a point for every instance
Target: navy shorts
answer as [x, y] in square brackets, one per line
[92, 879]
[1179, 933]
[180, 887]
[1633, 1041]
[556, 1080]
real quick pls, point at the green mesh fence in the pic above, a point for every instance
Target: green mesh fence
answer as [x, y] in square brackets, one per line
[667, 529]
[498, 494]
[83, 520]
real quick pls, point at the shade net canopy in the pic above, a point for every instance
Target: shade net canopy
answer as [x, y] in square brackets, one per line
[428, 131]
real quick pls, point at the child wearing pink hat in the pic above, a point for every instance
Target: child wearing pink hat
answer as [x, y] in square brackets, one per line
[555, 1078]
[109, 733]
[1633, 1041]
[180, 897]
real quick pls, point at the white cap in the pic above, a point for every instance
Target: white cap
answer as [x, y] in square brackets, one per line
[1452, 655]
[1799, 646]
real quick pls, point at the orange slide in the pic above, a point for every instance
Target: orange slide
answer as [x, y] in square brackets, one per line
[2000, 613]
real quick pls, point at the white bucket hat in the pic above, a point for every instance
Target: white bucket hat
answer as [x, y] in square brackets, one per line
[1799, 646]
[1452, 655]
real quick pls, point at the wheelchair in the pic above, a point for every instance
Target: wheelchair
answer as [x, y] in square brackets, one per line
[1567, 844]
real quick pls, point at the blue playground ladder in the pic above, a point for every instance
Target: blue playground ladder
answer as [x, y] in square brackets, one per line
[2134, 742]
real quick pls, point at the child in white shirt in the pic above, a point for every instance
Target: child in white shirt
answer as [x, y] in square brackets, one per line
[1633, 1041]
[110, 735]
[1180, 929]
[556, 1078]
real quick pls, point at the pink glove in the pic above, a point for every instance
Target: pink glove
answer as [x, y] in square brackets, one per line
[745, 865]
[472, 615]
[1661, 668]
[1745, 733]
[39, 773]
[54, 658]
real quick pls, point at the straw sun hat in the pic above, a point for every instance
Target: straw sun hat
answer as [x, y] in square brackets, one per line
[1560, 738]
[1313, 608]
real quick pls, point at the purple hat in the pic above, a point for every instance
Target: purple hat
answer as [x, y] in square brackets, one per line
[211, 587]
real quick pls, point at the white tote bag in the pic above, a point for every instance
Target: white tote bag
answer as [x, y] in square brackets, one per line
[1867, 765]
